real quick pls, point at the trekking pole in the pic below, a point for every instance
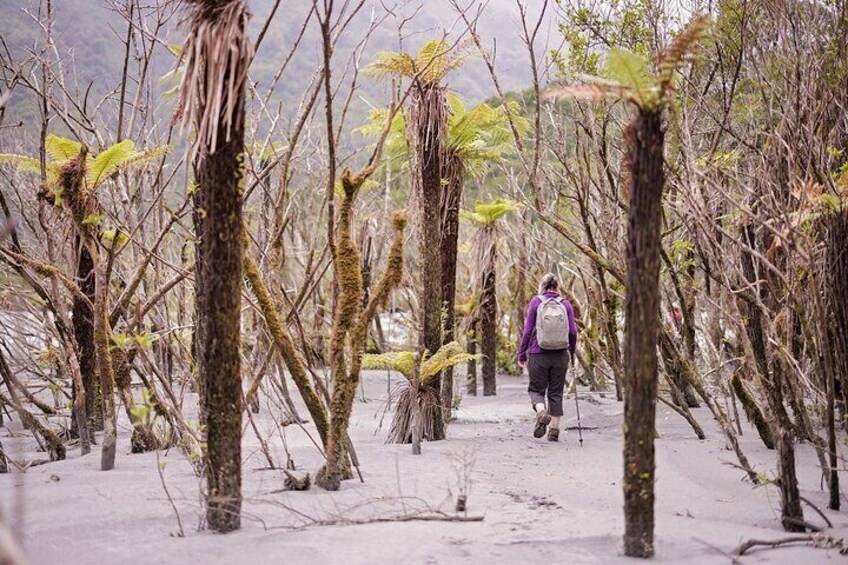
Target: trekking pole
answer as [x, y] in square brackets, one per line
[577, 405]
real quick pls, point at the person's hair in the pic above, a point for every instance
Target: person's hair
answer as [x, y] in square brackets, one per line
[548, 282]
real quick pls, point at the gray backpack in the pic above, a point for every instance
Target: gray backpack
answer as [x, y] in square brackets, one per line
[552, 324]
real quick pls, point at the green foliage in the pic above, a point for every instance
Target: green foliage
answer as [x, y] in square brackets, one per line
[506, 357]
[403, 362]
[144, 340]
[144, 411]
[115, 238]
[430, 65]
[486, 214]
[623, 23]
[61, 148]
[477, 136]
[632, 71]
[99, 167]
[628, 74]
[482, 135]
[21, 162]
[94, 219]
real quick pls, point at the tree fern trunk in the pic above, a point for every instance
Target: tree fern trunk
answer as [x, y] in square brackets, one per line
[219, 177]
[451, 196]
[431, 125]
[489, 325]
[83, 324]
[642, 305]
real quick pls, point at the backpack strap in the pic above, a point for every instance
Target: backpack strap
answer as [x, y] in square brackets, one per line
[544, 300]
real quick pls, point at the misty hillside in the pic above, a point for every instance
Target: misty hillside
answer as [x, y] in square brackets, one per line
[89, 37]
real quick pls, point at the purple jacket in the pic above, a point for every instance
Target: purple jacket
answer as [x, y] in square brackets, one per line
[529, 345]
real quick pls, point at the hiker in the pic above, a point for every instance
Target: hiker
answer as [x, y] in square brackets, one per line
[547, 347]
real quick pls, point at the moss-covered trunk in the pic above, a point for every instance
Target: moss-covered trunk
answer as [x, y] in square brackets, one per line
[642, 307]
[219, 177]
[83, 324]
[352, 320]
[294, 360]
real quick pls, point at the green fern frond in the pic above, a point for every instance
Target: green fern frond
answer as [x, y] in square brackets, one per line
[61, 148]
[431, 64]
[118, 157]
[389, 63]
[401, 361]
[681, 48]
[142, 157]
[108, 162]
[436, 59]
[448, 355]
[21, 162]
[632, 72]
[489, 213]
[395, 144]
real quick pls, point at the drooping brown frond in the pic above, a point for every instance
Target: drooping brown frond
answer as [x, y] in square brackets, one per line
[215, 60]
[681, 48]
[589, 91]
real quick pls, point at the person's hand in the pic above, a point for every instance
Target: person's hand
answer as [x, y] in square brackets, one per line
[522, 364]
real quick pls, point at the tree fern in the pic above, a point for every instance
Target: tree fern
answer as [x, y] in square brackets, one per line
[431, 64]
[403, 362]
[488, 213]
[99, 167]
[628, 76]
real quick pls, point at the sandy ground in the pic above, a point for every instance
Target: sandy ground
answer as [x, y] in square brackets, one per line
[541, 502]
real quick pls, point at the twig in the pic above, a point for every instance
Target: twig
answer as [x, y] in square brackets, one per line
[819, 512]
[773, 543]
[159, 467]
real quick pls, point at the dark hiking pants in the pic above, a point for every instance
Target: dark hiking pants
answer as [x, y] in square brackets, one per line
[547, 378]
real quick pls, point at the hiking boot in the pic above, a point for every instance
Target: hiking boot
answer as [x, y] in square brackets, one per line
[542, 421]
[553, 434]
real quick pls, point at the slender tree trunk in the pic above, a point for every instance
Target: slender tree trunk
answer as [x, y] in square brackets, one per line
[471, 348]
[451, 197]
[4, 465]
[103, 343]
[752, 411]
[642, 307]
[837, 277]
[489, 324]
[430, 122]
[836, 265]
[791, 511]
